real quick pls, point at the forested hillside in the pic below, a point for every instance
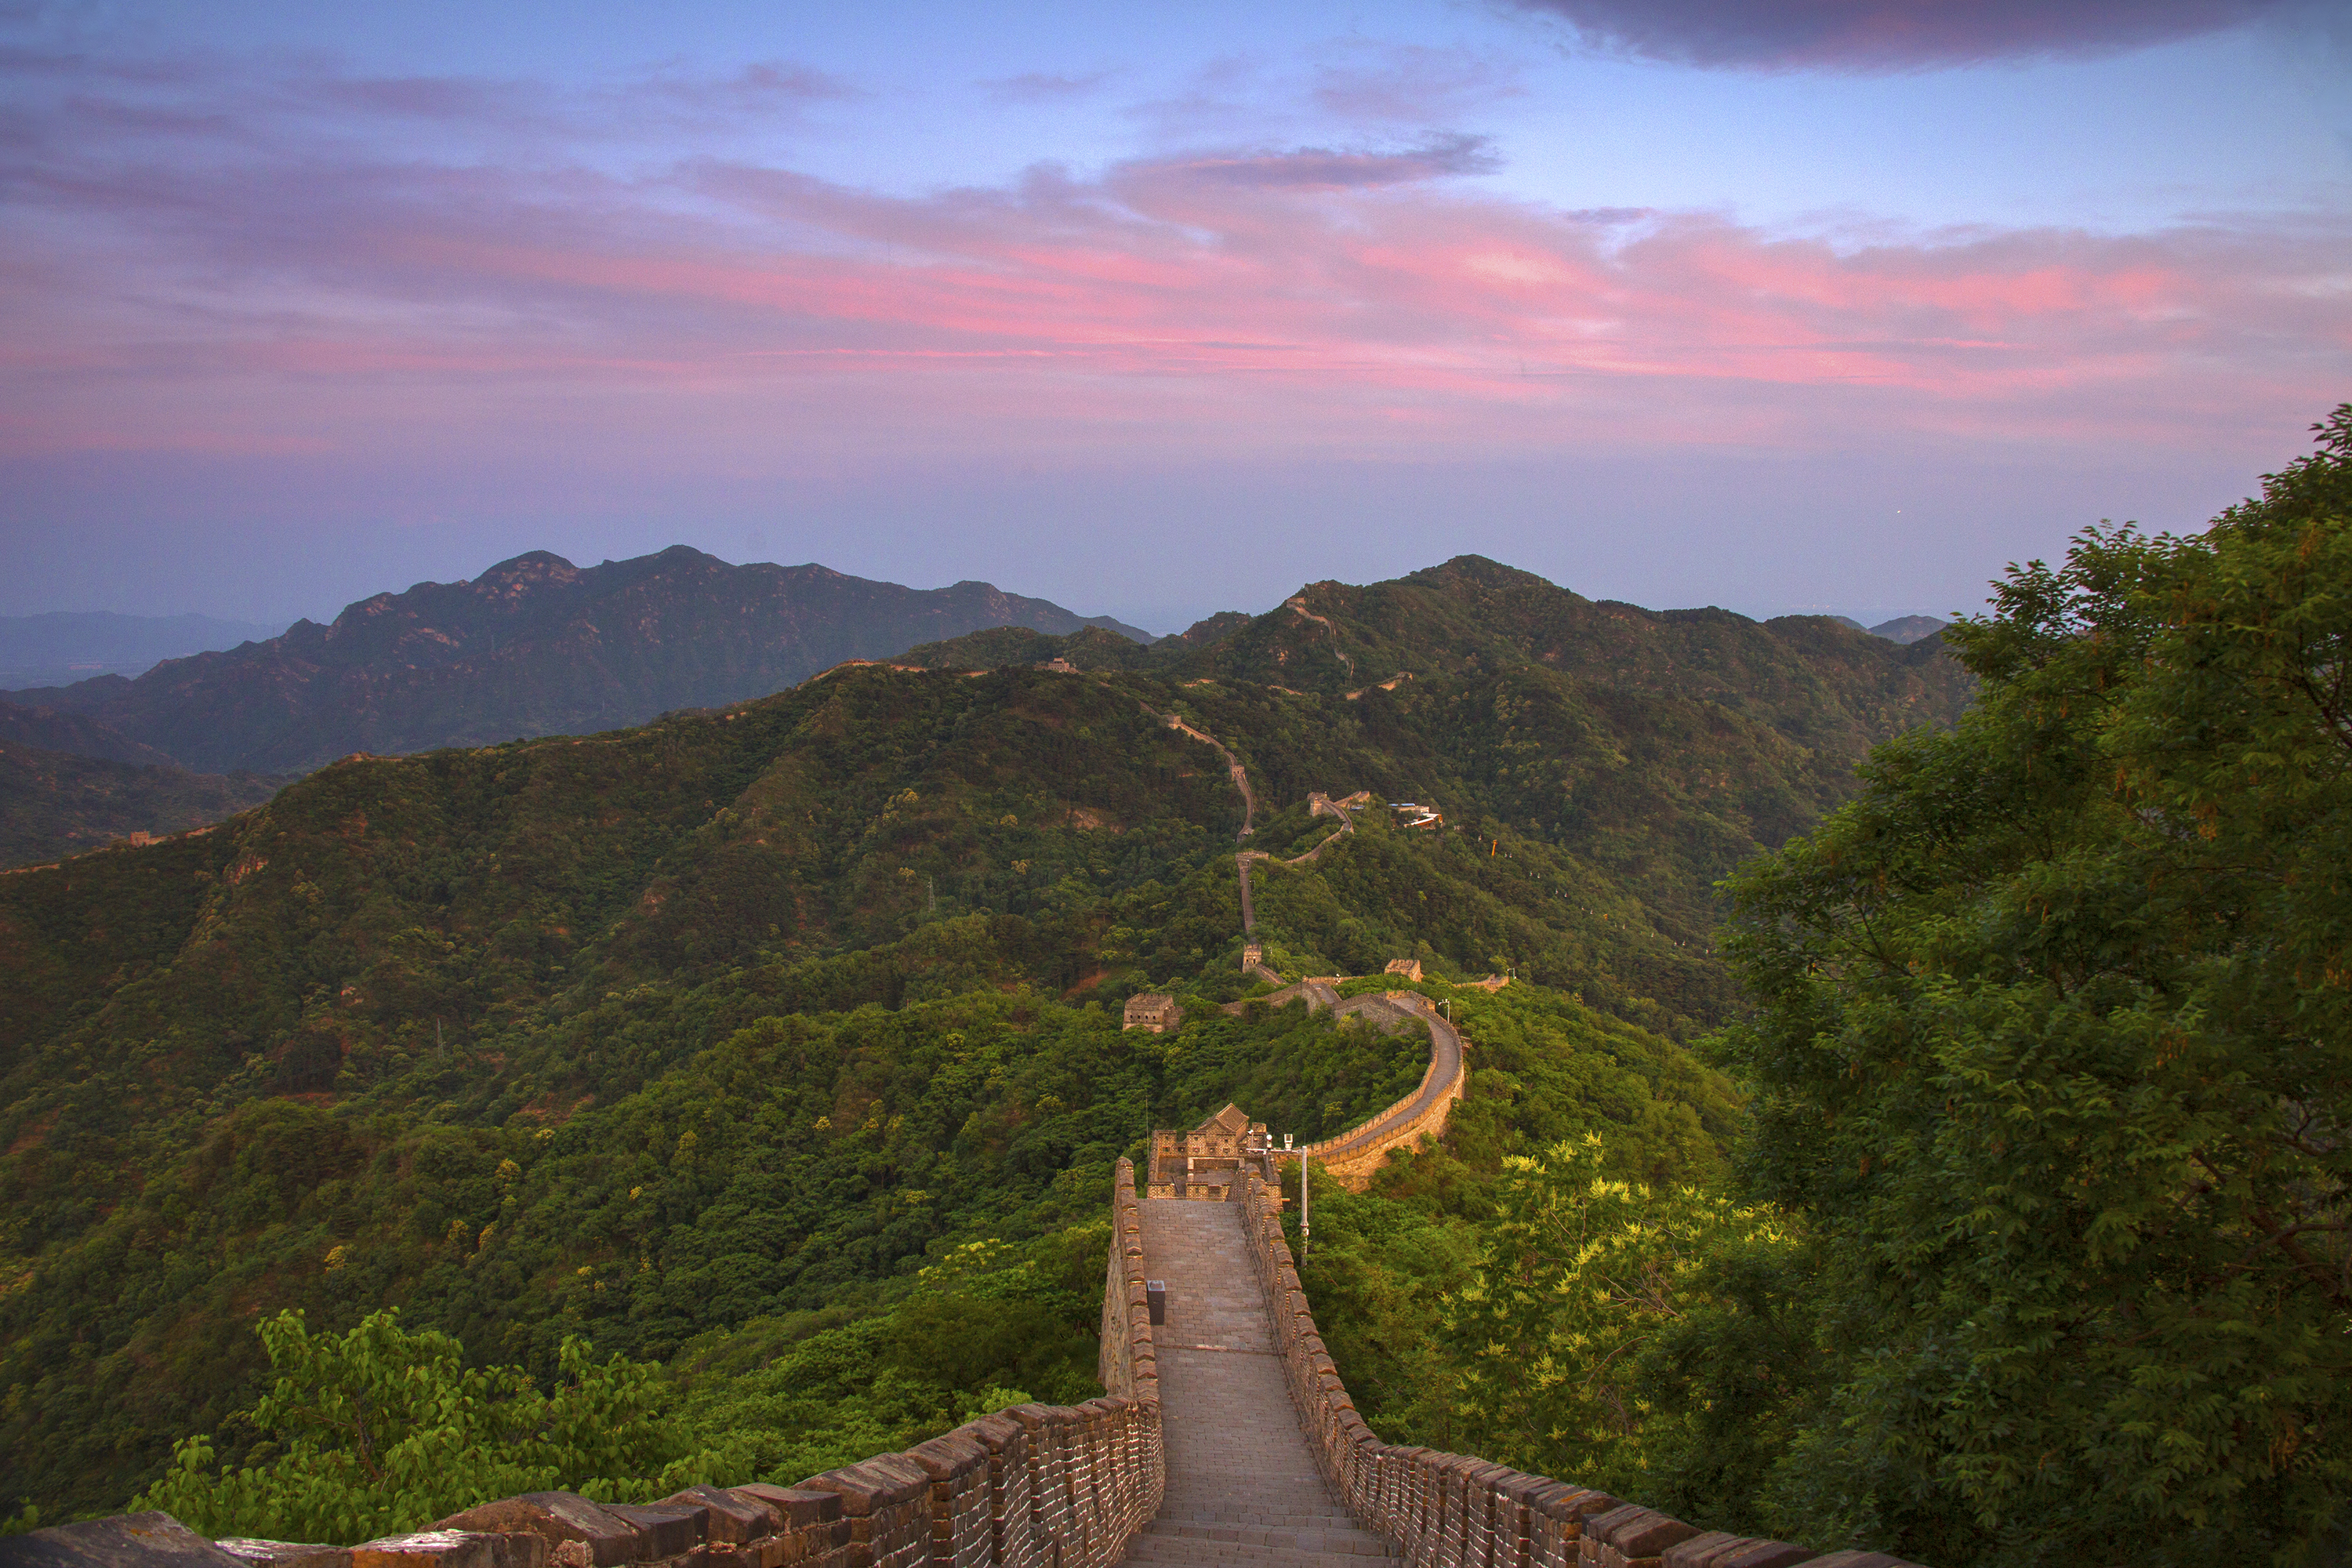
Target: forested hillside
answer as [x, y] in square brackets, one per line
[728, 1024]
[55, 804]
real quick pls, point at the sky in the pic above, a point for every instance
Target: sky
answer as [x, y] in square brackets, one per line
[1782, 305]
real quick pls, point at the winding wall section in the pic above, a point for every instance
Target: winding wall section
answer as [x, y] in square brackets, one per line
[1354, 1156]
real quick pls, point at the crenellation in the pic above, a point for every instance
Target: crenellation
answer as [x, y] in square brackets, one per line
[258, 1554]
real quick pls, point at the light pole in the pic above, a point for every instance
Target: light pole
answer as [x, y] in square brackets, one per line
[1306, 1231]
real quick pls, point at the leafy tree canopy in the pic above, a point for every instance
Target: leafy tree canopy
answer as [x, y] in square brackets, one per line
[2054, 1050]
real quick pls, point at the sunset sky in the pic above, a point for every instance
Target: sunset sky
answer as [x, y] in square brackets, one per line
[1832, 304]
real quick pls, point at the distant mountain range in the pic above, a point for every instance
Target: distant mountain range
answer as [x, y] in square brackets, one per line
[1902, 629]
[534, 645]
[64, 646]
[537, 647]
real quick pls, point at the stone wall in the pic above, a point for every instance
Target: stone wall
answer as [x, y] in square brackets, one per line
[1352, 1157]
[1451, 1511]
[1035, 1486]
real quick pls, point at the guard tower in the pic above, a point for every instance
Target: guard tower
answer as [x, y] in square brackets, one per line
[1209, 1162]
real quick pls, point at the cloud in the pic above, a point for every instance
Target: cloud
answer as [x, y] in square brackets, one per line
[281, 286]
[1886, 35]
[762, 86]
[1414, 85]
[1045, 86]
[1323, 169]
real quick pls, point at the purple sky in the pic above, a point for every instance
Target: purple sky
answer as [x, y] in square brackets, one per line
[1834, 304]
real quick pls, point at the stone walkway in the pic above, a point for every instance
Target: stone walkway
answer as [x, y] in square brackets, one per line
[1243, 1491]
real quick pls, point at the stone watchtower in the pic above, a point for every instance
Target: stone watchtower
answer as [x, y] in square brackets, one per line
[1152, 1011]
[1408, 967]
[1209, 1161]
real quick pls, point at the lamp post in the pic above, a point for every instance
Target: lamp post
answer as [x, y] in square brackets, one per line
[1306, 1231]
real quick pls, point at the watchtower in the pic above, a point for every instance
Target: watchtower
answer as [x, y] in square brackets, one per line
[1153, 1011]
[1209, 1162]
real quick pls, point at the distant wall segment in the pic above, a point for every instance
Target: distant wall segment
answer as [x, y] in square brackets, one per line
[1354, 1156]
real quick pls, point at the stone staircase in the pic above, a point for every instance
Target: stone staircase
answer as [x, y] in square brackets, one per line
[1243, 1490]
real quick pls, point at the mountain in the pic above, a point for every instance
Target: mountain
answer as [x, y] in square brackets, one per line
[55, 804]
[732, 1023]
[1908, 628]
[64, 646]
[54, 730]
[535, 646]
[1665, 745]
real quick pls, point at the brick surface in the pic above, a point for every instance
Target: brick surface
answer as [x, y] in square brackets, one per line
[1243, 1489]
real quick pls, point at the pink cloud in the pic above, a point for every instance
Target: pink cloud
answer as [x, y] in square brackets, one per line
[1226, 302]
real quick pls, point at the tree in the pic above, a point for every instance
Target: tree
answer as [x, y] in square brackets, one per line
[1599, 1306]
[2053, 1051]
[381, 1430]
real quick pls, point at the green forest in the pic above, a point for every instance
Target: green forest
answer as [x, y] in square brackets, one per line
[1915, 1120]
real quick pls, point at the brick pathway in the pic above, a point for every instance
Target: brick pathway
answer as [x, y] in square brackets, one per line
[1242, 1491]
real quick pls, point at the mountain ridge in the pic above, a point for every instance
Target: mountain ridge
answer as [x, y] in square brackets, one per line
[534, 646]
[59, 647]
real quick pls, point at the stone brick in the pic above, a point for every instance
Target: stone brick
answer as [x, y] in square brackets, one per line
[798, 1507]
[666, 1530]
[958, 1468]
[887, 1500]
[730, 1518]
[1762, 1554]
[285, 1553]
[814, 1531]
[429, 1548]
[1701, 1551]
[604, 1537]
[152, 1540]
[1649, 1536]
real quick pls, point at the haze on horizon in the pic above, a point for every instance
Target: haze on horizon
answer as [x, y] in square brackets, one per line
[1830, 305]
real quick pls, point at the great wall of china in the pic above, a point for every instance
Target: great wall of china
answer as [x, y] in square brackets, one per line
[1224, 1437]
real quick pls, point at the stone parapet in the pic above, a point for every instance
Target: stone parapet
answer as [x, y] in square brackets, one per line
[1454, 1511]
[1352, 1157]
[1037, 1486]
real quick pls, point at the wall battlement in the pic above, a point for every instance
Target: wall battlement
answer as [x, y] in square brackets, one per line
[1354, 1156]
